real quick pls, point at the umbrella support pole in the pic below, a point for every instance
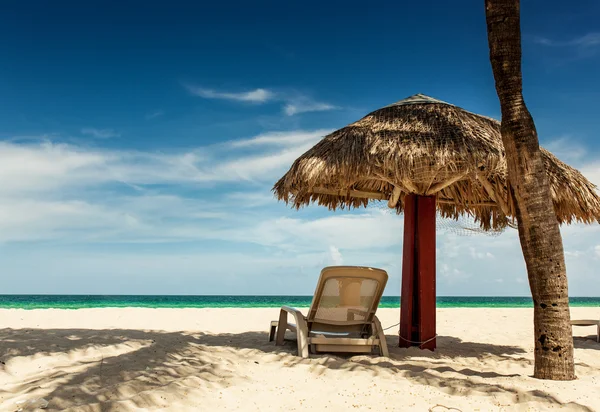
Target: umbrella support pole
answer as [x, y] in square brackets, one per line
[417, 307]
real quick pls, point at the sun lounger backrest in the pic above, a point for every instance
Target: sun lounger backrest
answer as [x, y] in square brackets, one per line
[347, 295]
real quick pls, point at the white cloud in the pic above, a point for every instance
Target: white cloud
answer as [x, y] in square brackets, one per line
[453, 274]
[592, 172]
[588, 40]
[336, 256]
[585, 41]
[475, 254]
[464, 265]
[294, 103]
[304, 107]
[566, 148]
[574, 253]
[53, 190]
[100, 133]
[173, 272]
[585, 46]
[368, 230]
[282, 138]
[451, 246]
[49, 166]
[71, 196]
[256, 167]
[251, 199]
[36, 219]
[142, 219]
[253, 96]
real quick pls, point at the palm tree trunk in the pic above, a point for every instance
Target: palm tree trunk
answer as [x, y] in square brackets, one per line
[539, 231]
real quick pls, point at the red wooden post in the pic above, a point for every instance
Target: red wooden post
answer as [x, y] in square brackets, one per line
[426, 270]
[407, 332]
[417, 310]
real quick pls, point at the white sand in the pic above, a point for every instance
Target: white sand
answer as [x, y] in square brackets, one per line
[221, 360]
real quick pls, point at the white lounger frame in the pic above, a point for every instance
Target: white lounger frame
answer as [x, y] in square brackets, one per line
[315, 340]
[588, 322]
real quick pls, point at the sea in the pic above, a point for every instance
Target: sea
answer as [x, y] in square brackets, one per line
[215, 301]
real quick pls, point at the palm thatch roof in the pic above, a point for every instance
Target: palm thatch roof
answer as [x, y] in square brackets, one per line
[428, 147]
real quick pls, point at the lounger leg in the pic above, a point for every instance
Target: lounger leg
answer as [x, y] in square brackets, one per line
[272, 331]
[301, 329]
[302, 336]
[281, 327]
[598, 333]
[383, 348]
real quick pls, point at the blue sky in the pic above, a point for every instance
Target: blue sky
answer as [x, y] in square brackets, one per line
[139, 142]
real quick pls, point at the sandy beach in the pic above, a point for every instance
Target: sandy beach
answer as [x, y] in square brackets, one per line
[220, 359]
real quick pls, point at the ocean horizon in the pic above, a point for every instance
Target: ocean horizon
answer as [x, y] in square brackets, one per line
[249, 301]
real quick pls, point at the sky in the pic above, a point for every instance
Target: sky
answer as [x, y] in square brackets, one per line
[139, 142]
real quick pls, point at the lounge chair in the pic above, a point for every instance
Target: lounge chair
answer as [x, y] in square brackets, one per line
[588, 322]
[341, 317]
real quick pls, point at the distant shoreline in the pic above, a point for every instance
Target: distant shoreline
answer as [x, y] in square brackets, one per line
[243, 301]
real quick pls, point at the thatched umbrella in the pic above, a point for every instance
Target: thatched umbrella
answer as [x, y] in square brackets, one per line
[421, 154]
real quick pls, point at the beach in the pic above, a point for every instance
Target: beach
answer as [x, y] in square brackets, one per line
[125, 359]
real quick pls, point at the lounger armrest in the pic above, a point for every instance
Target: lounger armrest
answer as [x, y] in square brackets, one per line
[293, 311]
[300, 326]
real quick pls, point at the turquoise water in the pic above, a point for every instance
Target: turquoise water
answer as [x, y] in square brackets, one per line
[171, 301]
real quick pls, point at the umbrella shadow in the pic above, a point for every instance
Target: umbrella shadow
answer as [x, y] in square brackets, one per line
[78, 367]
[149, 369]
[586, 342]
[436, 370]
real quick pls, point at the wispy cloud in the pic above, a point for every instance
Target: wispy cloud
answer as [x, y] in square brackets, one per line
[293, 103]
[574, 253]
[211, 196]
[61, 191]
[592, 172]
[251, 199]
[566, 148]
[155, 114]
[577, 48]
[336, 256]
[253, 96]
[55, 188]
[72, 193]
[569, 149]
[586, 41]
[100, 133]
[281, 138]
[47, 165]
[304, 107]
[296, 103]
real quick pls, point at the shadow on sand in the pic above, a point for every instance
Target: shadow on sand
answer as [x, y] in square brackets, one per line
[131, 366]
[586, 342]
